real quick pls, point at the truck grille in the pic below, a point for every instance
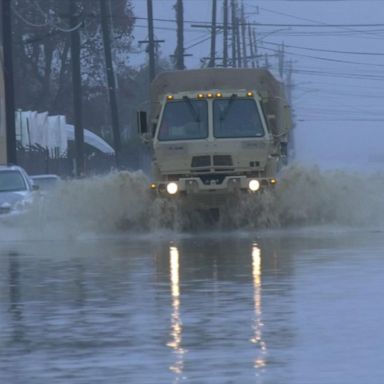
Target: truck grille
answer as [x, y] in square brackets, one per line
[201, 161]
[214, 163]
[222, 160]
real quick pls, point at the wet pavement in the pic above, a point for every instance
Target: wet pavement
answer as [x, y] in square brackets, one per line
[278, 306]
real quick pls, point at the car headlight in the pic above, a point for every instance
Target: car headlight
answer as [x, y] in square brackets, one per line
[5, 207]
[172, 188]
[254, 185]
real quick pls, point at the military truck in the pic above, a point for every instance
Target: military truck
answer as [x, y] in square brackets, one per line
[216, 133]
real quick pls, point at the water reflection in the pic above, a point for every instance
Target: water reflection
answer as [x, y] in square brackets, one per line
[203, 308]
[15, 308]
[257, 339]
[176, 324]
[219, 271]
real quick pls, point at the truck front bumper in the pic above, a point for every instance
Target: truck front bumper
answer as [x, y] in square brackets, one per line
[195, 186]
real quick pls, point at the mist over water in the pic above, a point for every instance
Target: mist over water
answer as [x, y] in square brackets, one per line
[120, 202]
[310, 196]
[97, 204]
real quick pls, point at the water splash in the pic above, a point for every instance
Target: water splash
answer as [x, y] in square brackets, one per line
[117, 201]
[309, 196]
[121, 202]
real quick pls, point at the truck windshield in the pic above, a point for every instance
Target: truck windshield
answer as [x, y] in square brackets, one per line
[236, 117]
[185, 119]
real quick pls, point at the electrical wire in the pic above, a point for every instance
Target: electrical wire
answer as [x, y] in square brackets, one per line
[220, 25]
[326, 50]
[310, 20]
[326, 59]
[46, 24]
[27, 22]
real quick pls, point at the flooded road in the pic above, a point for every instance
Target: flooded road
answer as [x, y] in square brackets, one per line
[271, 306]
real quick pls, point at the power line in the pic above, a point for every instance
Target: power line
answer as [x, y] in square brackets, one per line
[291, 1]
[338, 75]
[327, 59]
[328, 50]
[46, 24]
[372, 25]
[321, 1]
[306, 19]
[199, 42]
[286, 31]
[27, 22]
[340, 120]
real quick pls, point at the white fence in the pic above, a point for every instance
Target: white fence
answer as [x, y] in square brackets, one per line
[52, 133]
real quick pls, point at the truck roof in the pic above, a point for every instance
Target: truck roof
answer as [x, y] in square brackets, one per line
[214, 78]
[221, 79]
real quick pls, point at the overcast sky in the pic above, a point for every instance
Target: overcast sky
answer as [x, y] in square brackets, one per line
[338, 62]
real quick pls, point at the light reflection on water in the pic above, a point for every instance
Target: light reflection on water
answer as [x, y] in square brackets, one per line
[260, 361]
[222, 309]
[176, 324]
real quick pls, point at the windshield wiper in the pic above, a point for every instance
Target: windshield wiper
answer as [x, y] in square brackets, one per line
[192, 109]
[224, 113]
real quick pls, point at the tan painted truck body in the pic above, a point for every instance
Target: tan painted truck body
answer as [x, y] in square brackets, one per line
[216, 130]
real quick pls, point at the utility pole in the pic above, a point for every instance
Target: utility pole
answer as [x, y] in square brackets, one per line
[151, 41]
[238, 44]
[266, 60]
[179, 53]
[225, 35]
[255, 48]
[233, 22]
[281, 60]
[289, 88]
[289, 81]
[6, 16]
[251, 46]
[212, 60]
[111, 79]
[77, 92]
[243, 36]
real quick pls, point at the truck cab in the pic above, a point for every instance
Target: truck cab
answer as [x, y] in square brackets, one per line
[211, 142]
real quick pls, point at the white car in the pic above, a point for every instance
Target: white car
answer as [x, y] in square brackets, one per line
[45, 182]
[16, 189]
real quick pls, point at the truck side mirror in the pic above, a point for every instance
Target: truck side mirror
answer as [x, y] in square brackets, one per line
[142, 122]
[271, 119]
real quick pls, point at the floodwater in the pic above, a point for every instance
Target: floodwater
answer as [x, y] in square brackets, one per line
[300, 305]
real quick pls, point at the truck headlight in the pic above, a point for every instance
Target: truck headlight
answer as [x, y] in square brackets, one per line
[172, 188]
[254, 185]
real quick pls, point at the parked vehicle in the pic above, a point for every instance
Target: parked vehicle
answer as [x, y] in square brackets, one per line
[16, 189]
[46, 182]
